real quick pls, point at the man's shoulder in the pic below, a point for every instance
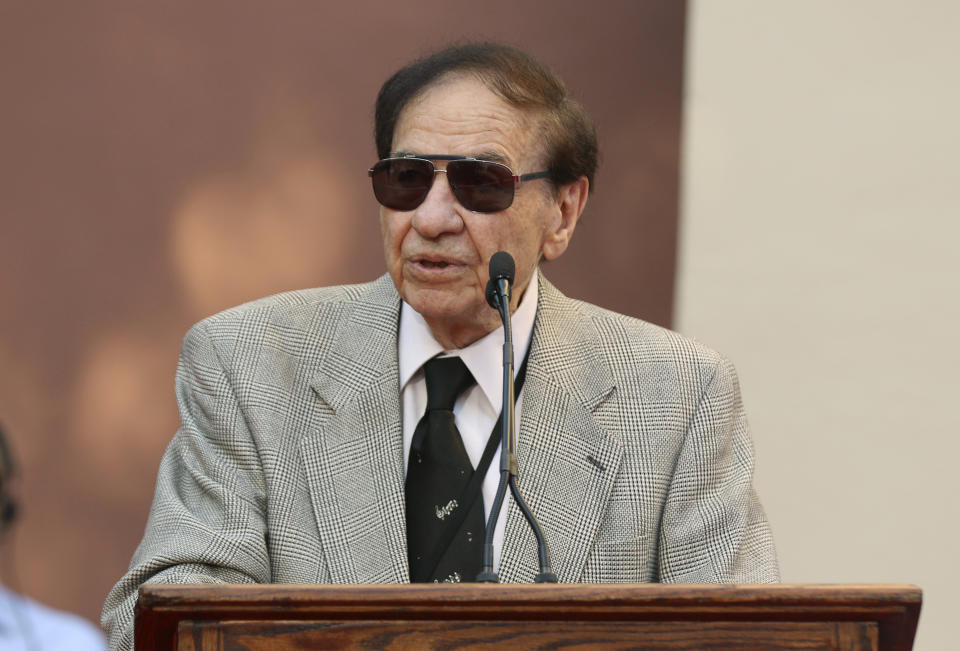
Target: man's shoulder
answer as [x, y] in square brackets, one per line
[621, 336]
[303, 309]
[649, 364]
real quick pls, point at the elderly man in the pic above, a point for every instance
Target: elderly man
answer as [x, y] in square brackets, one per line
[310, 449]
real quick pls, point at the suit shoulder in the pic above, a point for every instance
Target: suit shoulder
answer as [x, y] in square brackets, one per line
[305, 310]
[287, 302]
[645, 338]
[660, 364]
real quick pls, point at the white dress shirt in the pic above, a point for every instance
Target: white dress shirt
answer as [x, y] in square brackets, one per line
[477, 409]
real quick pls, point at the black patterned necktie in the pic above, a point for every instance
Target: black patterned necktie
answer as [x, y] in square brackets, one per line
[437, 473]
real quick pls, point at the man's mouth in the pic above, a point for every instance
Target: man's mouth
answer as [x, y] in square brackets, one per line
[436, 262]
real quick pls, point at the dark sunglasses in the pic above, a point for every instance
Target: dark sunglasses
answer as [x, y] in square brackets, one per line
[479, 185]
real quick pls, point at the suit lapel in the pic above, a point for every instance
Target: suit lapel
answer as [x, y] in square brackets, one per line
[354, 459]
[568, 461]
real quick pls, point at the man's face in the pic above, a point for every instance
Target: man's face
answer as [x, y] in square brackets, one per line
[438, 253]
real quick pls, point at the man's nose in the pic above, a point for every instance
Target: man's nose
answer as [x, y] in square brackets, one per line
[438, 212]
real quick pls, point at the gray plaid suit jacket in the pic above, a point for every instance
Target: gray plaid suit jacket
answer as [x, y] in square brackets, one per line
[633, 447]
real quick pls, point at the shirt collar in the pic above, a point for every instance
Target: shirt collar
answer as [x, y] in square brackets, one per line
[483, 357]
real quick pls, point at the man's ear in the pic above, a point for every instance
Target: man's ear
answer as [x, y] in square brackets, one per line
[571, 199]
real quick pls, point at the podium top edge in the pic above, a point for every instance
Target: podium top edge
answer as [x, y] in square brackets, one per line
[825, 594]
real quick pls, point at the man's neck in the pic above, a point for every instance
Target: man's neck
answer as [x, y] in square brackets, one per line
[417, 343]
[459, 332]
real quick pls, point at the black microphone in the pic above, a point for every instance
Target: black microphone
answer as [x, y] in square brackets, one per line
[502, 271]
[498, 292]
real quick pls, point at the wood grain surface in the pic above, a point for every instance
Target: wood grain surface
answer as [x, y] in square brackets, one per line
[653, 616]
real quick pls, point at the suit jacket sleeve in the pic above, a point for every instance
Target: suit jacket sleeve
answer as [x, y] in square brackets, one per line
[207, 523]
[714, 529]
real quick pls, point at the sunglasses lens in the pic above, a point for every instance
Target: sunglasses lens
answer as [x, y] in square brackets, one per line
[402, 183]
[481, 186]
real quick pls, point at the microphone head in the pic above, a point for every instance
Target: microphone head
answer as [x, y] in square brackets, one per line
[502, 266]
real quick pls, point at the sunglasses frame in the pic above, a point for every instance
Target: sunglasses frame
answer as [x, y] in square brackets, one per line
[429, 158]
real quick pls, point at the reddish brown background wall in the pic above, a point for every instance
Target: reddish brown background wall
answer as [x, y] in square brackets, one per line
[161, 162]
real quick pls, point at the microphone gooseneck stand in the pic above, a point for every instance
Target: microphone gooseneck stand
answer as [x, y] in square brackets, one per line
[502, 271]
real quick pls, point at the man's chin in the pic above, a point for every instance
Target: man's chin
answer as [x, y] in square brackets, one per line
[448, 312]
[438, 304]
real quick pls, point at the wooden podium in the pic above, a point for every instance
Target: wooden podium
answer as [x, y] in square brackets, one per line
[649, 616]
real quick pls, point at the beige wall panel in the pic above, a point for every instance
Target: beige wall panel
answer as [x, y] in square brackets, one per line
[819, 229]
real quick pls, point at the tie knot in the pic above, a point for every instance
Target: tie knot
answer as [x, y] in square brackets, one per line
[447, 378]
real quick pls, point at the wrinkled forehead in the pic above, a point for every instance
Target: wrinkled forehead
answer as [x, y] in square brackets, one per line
[460, 114]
